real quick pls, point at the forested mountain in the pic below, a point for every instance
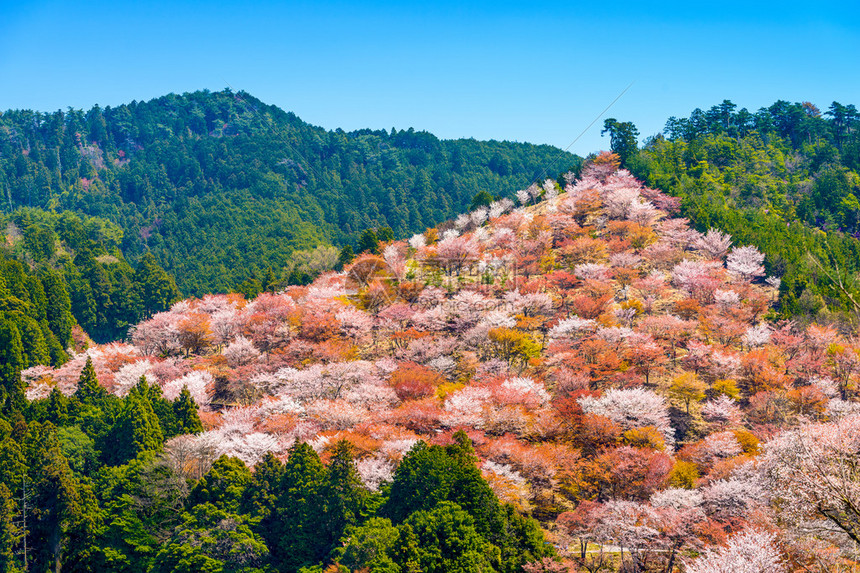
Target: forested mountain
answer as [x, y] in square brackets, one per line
[784, 178]
[220, 187]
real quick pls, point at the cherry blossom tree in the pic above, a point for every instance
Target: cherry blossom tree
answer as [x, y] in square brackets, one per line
[745, 262]
[632, 408]
[195, 333]
[418, 241]
[456, 252]
[374, 471]
[722, 412]
[757, 335]
[130, 374]
[733, 499]
[582, 523]
[158, 335]
[466, 407]
[240, 352]
[714, 244]
[198, 383]
[750, 551]
[813, 474]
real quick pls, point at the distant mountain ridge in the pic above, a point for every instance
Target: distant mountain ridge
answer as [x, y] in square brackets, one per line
[220, 186]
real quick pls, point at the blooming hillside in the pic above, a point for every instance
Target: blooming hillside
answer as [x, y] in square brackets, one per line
[615, 369]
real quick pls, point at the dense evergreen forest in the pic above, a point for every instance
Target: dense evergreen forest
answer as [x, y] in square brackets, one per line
[220, 187]
[84, 486]
[63, 270]
[784, 179]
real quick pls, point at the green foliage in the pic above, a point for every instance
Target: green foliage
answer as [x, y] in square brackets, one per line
[144, 500]
[136, 430]
[10, 532]
[185, 414]
[784, 180]
[260, 497]
[58, 307]
[370, 545]
[223, 485]
[155, 288]
[79, 449]
[89, 391]
[481, 199]
[623, 136]
[347, 254]
[368, 242]
[212, 540]
[65, 512]
[299, 536]
[448, 541]
[11, 363]
[432, 475]
[85, 279]
[345, 495]
[302, 515]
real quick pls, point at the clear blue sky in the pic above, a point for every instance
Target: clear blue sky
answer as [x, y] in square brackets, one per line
[527, 71]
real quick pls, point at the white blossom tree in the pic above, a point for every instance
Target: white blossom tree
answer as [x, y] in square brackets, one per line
[813, 473]
[745, 262]
[750, 551]
[632, 408]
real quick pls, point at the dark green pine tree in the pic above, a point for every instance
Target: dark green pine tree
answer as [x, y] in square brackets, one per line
[432, 475]
[11, 364]
[55, 349]
[223, 485]
[33, 342]
[481, 199]
[65, 514]
[185, 412]
[368, 242]
[162, 407]
[136, 430]
[210, 540]
[10, 532]
[406, 550]
[57, 408]
[37, 297]
[297, 538]
[89, 391]
[345, 495]
[270, 282]
[13, 464]
[261, 496]
[623, 136]
[154, 287]
[58, 307]
[347, 255]
[100, 284]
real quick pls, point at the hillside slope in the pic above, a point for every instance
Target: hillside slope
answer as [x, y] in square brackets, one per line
[612, 366]
[220, 186]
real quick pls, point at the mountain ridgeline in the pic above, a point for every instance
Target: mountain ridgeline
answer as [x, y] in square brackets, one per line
[220, 186]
